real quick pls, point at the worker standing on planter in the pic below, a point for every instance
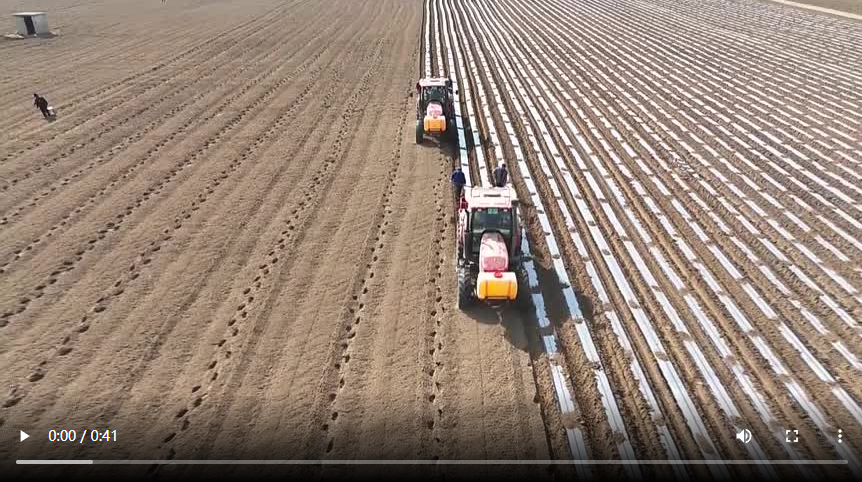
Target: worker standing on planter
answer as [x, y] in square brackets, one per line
[458, 183]
[501, 175]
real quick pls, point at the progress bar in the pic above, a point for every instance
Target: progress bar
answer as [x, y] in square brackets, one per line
[431, 462]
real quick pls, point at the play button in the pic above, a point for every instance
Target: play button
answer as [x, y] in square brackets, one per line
[24, 436]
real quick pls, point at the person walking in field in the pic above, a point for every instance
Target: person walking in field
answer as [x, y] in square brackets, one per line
[501, 175]
[42, 104]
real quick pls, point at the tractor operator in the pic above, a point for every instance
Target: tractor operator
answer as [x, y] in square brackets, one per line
[501, 175]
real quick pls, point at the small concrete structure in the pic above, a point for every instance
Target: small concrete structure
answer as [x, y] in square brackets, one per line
[31, 24]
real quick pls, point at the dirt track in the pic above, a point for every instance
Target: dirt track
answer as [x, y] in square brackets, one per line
[848, 6]
[229, 246]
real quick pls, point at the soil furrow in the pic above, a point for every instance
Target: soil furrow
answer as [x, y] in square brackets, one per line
[44, 156]
[165, 184]
[119, 86]
[116, 150]
[173, 139]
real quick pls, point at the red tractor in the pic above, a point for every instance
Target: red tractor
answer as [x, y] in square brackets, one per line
[490, 265]
[435, 108]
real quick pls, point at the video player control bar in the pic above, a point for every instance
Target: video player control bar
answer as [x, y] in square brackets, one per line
[431, 462]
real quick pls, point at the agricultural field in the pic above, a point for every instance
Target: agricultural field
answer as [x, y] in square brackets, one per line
[229, 246]
[847, 6]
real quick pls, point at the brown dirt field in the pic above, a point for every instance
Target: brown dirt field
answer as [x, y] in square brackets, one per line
[228, 235]
[229, 246]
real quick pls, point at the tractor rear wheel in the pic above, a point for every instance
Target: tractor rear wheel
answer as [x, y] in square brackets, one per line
[420, 132]
[465, 293]
[524, 300]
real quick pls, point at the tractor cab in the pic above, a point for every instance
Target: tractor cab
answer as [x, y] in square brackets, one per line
[485, 215]
[489, 246]
[435, 108]
[433, 92]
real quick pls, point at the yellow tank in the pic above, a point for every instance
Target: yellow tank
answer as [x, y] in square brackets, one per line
[497, 286]
[435, 124]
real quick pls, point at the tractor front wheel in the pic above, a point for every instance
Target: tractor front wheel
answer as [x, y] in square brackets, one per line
[465, 293]
[420, 132]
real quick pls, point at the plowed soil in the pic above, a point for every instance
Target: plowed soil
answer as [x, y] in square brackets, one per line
[228, 245]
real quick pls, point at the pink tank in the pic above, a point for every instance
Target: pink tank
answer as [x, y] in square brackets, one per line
[493, 255]
[433, 110]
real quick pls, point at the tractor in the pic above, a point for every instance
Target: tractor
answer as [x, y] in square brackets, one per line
[489, 259]
[435, 108]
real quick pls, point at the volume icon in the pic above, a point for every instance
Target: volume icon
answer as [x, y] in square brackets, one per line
[744, 435]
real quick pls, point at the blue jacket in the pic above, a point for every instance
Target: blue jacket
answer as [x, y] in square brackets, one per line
[459, 178]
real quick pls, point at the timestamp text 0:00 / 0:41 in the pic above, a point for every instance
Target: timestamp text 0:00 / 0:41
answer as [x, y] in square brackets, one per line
[72, 435]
